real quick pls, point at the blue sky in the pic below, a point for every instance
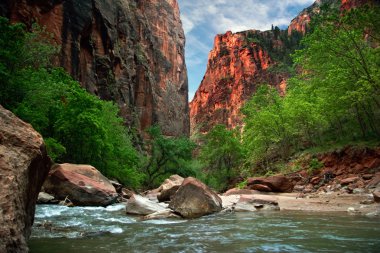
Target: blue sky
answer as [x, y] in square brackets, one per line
[203, 19]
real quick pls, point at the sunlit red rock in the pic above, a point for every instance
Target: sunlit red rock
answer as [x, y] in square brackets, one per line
[236, 66]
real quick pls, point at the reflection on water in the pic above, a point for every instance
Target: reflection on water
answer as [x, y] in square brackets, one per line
[96, 229]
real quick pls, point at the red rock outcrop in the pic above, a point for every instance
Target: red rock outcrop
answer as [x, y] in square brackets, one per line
[237, 64]
[352, 167]
[277, 183]
[24, 165]
[131, 52]
[83, 185]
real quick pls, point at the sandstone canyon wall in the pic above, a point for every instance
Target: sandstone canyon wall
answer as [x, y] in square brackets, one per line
[128, 51]
[240, 62]
[24, 165]
[237, 64]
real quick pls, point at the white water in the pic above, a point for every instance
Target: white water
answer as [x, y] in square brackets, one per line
[95, 229]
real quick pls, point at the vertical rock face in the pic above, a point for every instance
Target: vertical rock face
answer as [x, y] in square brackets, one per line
[128, 51]
[237, 64]
[24, 166]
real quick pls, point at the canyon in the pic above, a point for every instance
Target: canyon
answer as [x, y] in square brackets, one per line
[240, 62]
[130, 52]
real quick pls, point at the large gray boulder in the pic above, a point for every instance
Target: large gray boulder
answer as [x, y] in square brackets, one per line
[194, 199]
[138, 205]
[83, 185]
[24, 165]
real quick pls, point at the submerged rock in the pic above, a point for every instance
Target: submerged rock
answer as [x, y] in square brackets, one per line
[83, 185]
[142, 206]
[164, 214]
[24, 165]
[194, 199]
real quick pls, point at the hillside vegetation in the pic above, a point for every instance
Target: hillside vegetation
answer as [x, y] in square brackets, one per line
[332, 101]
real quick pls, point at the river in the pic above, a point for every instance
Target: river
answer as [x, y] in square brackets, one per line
[97, 229]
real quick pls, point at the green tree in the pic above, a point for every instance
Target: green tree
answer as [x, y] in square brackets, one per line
[341, 65]
[221, 157]
[167, 155]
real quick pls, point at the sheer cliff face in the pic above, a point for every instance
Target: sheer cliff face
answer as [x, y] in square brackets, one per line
[237, 64]
[128, 51]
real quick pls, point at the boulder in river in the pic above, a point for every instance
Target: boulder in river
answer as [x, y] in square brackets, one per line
[83, 185]
[46, 198]
[276, 183]
[24, 165]
[194, 199]
[140, 205]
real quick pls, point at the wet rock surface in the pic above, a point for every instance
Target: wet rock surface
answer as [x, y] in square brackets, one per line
[139, 205]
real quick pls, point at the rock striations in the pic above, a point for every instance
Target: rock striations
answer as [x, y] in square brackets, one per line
[24, 165]
[131, 52]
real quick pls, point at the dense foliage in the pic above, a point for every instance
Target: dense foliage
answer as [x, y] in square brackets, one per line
[333, 100]
[221, 156]
[167, 156]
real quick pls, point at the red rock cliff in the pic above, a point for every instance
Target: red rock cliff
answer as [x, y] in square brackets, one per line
[237, 64]
[131, 52]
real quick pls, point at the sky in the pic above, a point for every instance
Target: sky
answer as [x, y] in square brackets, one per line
[203, 19]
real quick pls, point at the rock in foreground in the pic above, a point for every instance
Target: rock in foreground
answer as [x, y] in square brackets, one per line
[82, 184]
[194, 199]
[24, 166]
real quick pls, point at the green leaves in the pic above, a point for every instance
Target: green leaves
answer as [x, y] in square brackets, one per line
[334, 97]
[221, 156]
[167, 155]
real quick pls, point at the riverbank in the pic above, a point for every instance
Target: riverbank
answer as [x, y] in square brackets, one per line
[360, 204]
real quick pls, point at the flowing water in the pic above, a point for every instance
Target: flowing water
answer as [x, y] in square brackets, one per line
[96, 229]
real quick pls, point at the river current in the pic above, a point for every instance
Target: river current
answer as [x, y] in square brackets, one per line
[60, 229]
